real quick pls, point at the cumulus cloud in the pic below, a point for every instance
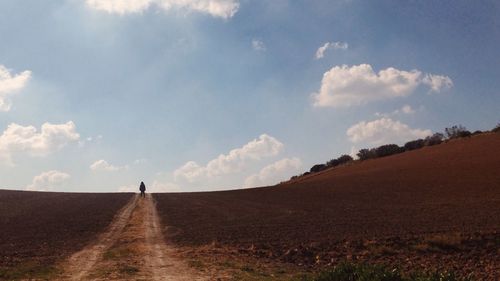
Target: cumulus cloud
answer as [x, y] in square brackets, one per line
[217, 8]
[437, 82]
[320, 53]
[344, 86]
[155, 187]
[103, 165]
[11, 84]
[384, 131]
[26, 139]
[264, 146]
[273, 173]
[258, 45]
[48, 181]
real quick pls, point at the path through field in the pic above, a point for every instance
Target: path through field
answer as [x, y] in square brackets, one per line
[132, 248]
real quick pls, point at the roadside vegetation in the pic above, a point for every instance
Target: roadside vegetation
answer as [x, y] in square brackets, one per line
[365, 272]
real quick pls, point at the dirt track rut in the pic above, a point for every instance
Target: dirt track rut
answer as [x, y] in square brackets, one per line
[132, 248]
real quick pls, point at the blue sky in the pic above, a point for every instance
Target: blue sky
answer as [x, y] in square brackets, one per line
[218, 94]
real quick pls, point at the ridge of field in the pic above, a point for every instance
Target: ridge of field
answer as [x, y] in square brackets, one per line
[39, 229]
[437, 207]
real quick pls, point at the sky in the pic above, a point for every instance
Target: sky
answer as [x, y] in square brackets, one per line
[197, 95]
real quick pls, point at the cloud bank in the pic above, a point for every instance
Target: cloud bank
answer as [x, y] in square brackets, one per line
[48, 181]
[217, 8]
[384, 131]
[26, 139]
[234, 161]
[11, 84]
[274, 173]
[345, 86]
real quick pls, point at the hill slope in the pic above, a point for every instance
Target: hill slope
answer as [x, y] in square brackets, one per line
[452, 189]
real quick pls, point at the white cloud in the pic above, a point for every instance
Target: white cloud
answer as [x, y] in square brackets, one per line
[273, 173]
[258, 45]
[264, 146]
[344, 86]
[437, 82]
[405, 109]
[155, 187]
[384, 131]
[320, 53]
[26, 139]
[48, 181]
[103, 165]
[216, 8]
[158, 187]
[10, 84]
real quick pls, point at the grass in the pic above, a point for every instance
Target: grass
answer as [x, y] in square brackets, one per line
[29, 271]
[364, 272]
[440, 243]
[127, 269]
[196, 264]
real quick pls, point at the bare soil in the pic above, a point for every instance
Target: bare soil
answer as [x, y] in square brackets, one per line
[433, 208]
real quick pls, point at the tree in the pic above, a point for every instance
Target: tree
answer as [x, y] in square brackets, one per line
[437, 138]
[388, 149]
[364, 154]
[414, 144]
[344, 159]
[496, 129]
[339, 161]
[457, 131]
[318, 168]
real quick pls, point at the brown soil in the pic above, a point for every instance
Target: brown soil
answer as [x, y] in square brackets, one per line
[433, 208]
[37, 229]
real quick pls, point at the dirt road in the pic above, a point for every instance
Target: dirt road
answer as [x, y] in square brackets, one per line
[132, 248]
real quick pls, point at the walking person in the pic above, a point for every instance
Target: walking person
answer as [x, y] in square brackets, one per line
[142, 188]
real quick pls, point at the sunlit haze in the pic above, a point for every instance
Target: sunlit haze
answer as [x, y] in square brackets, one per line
[99, 95]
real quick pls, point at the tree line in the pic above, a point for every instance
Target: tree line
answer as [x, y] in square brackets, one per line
[454, 132]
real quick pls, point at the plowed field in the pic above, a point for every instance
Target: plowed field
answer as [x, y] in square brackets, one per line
[38, 229]
[437, 207]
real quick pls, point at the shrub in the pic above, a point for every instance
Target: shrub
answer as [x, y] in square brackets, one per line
[414, 144]
[388, 149]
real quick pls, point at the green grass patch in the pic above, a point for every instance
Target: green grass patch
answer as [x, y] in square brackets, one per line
[364, 272]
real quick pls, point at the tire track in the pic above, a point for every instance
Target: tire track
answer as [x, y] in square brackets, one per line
[81, 263]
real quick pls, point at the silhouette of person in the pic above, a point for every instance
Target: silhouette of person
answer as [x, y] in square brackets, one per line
[142, 188]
